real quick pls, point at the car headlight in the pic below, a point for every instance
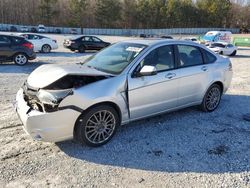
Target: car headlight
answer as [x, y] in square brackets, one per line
[53, 97]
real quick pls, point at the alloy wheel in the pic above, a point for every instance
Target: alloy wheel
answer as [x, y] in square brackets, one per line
[46, 49]
[213, 98]
[100, 126]
[20, 59]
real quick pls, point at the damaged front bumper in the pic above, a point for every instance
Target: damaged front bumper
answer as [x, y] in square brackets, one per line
[50, 127]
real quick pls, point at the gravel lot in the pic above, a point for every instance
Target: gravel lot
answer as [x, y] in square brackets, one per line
[187, 148]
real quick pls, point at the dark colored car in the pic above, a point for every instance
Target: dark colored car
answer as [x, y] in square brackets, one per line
[17, 49]
[58, 31]
[73, 31]
[13, 29]
[84, 43]
[33, 30]
[143, 35]
[166, 37]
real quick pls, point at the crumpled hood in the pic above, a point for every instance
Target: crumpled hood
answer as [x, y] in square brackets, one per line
[48, 74]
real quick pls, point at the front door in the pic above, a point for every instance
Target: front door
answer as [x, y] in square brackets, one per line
[149, 95]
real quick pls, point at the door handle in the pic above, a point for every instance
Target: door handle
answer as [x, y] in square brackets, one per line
[204, 68]
[170, 75]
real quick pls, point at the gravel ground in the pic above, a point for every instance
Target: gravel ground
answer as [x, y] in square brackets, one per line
[187, 148]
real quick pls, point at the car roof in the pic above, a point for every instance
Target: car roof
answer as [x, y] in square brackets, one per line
[158, 41]
[80, 36]
[10, 35]
[224, 43]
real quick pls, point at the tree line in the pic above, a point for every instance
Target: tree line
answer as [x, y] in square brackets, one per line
[127, 13]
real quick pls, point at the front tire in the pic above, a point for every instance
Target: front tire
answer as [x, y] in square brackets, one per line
[46, 48]
[20, 59]
[97, 126]
[81, 49]
[212, 98]
[234, 53]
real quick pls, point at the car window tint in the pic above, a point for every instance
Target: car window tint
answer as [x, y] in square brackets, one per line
[189, 56]
[218, 45]
[30, 37]
[208, 57]
[17, 40]
[86, 39]
[36, 37]
[4, 40]
[96, 39]
[230, 46]
[162, 58]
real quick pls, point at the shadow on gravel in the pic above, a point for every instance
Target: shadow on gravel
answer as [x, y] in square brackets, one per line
[184, 141]
[11, 68]
[245, 48]
[240, 56]
[64, 54]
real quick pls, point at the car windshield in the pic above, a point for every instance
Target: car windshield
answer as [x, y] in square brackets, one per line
[115, 58]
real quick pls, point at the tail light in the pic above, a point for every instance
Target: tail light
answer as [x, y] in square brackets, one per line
[28, 45]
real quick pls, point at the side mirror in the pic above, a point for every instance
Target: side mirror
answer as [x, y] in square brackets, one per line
[147, 70]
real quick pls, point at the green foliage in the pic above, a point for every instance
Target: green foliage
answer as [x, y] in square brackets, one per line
[108, 13]
[77, 12]
[127, 13]
[214, 12]
[47, 11]
[150, 13]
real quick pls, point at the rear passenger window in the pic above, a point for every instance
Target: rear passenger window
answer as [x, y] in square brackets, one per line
[189, 56]
[17, 40]
[208, 57]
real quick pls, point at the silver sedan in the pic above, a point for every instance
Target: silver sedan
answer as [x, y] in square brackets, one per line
[124, 82]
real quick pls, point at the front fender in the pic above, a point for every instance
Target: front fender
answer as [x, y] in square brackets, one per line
[109, 90]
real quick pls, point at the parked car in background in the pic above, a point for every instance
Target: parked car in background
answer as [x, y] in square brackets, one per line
[125, 82]
[216, 36]
[24, 29]
[223, 48]
[192, 39]
[73, 31]
[17, 49]
[142, 35]
[166, 37]
[41, 29]
[58, 31]
[33, 30]
[41, 43]
[84, 43]
[13, 28]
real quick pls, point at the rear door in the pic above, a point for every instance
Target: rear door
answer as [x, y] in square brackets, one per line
[5, 47]
[98, 43]
[193, 74]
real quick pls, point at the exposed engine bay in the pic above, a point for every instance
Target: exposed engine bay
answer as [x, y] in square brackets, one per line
[47, 99]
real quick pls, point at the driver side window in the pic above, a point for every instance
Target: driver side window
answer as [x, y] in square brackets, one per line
[161, 58]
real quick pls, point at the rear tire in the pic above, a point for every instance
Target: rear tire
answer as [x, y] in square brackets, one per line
[20, 59]
[97, 126]
[46, 48]
[212, 98]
